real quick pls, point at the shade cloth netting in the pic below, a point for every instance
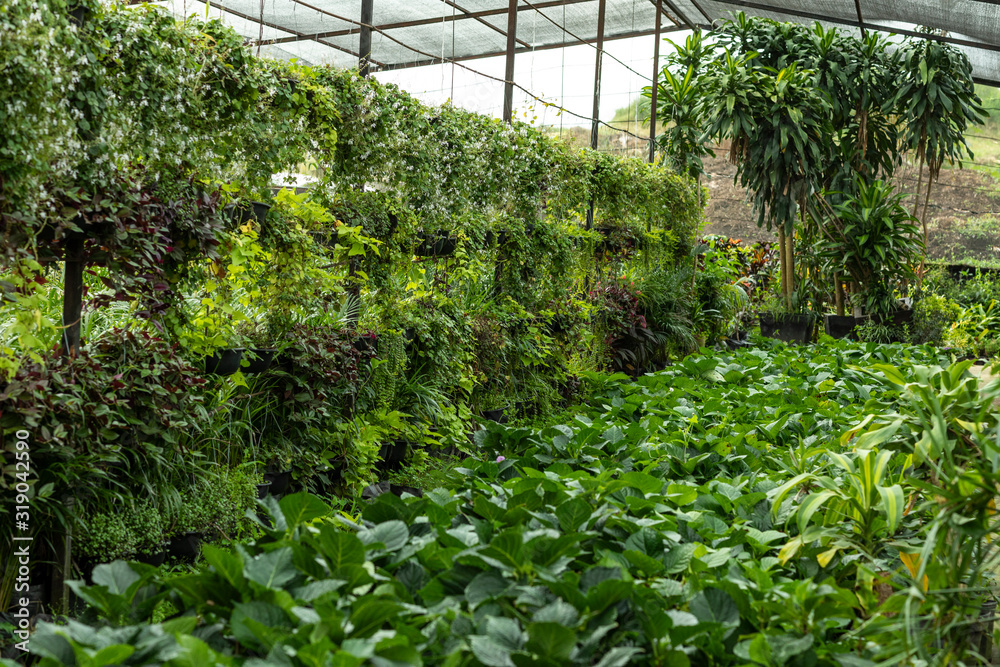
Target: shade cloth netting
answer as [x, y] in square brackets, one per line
[418, 32]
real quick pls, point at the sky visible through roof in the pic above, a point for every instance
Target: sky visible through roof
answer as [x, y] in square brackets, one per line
[327, 32]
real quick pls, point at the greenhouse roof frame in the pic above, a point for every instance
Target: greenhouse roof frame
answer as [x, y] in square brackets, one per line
[414, 33]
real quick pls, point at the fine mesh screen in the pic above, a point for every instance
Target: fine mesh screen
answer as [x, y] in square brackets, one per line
[409, 33]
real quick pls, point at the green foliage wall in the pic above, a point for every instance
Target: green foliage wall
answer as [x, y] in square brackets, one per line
[130, 133]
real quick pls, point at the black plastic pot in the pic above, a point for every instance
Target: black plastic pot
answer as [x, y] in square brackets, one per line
[260, 359]
[409, 336]
[185, 546]
[839, 326]
[438, 244]
[375, 490]
[393, 454]
[243, 213]
[400, 489]
[981, 632]
[224, 362]
[36, 600]
[901, 317]
[498, 415]
[79, 14]
[279, 481]
[897, 318]
[328, 478]
[791, 328]
[263, 489]
[366, 343]
[154, 558]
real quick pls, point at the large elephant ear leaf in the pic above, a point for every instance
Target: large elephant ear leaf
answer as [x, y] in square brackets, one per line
[300, 508]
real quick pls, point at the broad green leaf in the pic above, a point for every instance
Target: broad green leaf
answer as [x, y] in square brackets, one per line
[550, 640]
[370, 613]
[713, 605]
[271, 569]
[645, 483]
[391, 534]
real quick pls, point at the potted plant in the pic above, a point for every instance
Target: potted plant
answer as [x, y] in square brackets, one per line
[438, 243]
[259, 351]
[873, 238]
[494, 402]
[277, 457]
[377, 213]
[792, 324]
[242, 212]
[186, 525]
[102, 538]
[143, 520]
[224, 361]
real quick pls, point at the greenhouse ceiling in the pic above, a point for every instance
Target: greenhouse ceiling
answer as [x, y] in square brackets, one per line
[411, 33]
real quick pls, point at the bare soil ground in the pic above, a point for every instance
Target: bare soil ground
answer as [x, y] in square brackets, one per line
[963, 216]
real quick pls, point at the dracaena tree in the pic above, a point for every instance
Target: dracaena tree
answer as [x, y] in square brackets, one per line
[680, 107]
[937, 101]
[779, 127]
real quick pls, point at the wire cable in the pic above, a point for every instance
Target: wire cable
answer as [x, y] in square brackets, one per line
[470, 69]
[583, 41]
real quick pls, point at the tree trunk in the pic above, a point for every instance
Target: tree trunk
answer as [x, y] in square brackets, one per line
[923, 222]
[790, 270]
[783, 263]
[839, 295]
[923, 218]
[920, 173]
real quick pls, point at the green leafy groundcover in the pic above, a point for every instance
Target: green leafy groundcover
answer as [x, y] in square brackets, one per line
[690, 517]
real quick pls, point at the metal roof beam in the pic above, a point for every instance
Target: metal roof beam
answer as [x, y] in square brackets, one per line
[298, 36]
[419, 22]
[479, 19]
[544, 47]
[675, 10]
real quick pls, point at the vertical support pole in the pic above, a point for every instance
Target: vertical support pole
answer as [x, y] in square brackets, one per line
[508, 77]
[597, 74]
[71, 319]
[72, 294]
[597, 96]
[365, 46]
[656, 74]
[364, 67]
